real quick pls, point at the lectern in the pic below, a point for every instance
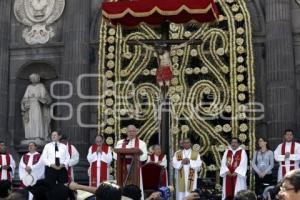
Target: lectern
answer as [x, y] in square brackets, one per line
[128, 166]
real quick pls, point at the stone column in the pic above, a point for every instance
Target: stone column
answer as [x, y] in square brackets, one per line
[75, 63]
[280, 71]
[5, 8]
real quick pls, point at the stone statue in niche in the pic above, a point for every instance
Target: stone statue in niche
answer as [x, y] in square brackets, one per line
[38, 15]
[35, 110]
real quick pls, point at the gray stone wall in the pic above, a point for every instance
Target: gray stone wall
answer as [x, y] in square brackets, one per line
[74, 50]
[276, 28]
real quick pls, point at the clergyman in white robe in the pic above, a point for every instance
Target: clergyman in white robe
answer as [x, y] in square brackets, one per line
[184, 187]
[238, 165]
[132, 144]
[7, 160]
[290, 163]
[35, 163]
[132, 141]
[96, 160]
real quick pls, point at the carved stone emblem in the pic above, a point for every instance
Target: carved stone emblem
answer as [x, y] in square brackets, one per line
[38, 15]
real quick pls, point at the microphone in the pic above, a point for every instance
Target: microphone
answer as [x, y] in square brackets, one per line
[127, 140]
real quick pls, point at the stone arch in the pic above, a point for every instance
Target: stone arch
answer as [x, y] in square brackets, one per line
[48, 73]
[45, 69]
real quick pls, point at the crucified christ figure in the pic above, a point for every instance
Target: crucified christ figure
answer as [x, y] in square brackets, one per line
[164, 70]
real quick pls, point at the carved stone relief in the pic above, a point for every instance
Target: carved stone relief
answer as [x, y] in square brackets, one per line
[37, 16]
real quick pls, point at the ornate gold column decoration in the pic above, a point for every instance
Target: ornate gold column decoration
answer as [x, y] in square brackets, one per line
[211, 93]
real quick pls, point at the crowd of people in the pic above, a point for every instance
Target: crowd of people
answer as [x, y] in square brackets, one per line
[50, 175]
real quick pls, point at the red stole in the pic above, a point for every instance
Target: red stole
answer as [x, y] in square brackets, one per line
[232, 163]
[164, 172]
[160, 157]
[70, 178]
[36, 158]
[292, 163]
[103, 167]
[136, 145]
[8, 164]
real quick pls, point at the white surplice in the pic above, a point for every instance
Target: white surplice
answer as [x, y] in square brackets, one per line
[194, 164]
[99, 157]
[156, 160]
[12, 165]
[241, 170]
[37, 169]
[293, 157]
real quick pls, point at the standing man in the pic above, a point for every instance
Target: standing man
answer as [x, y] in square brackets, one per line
[56, 158]
[74, 157]
[158, 157]
[132, 141]
[233, 170]
[31, 163]
[7, 163]
[99, 157]
[287, 154]
[187, 163]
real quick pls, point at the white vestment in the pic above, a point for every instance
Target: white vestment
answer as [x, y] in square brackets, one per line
[194, 164]
[156, 160]
[98, 157]
[37, 169]
[241, 170]
[12, 165]
[293, 157]
[143, 157]
[74, 159]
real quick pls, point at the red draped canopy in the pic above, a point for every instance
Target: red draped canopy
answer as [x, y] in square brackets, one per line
[154, 12]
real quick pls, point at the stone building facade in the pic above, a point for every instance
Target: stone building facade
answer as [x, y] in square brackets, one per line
[73, 51]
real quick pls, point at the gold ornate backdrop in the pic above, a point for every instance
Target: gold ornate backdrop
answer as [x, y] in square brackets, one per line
[211, 93]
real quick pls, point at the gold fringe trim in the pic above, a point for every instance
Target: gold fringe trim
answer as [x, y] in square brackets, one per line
[158, 10]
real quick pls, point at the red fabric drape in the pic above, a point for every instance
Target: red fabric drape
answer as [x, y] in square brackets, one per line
[154, 12]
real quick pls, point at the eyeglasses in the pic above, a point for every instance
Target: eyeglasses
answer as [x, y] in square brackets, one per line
[284, 189]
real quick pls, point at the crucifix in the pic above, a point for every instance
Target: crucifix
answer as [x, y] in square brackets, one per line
[162, 48]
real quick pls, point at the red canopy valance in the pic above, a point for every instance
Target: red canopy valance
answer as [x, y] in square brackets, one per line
[154, 12]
